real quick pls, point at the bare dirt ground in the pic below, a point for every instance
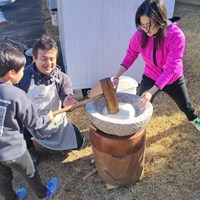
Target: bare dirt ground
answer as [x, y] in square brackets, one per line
[172, 161]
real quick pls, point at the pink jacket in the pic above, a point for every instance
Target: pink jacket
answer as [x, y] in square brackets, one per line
[168, 56]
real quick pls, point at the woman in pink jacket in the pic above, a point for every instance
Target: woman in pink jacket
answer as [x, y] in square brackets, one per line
[161, 44]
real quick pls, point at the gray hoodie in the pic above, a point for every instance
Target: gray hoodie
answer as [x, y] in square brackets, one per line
[16, 112]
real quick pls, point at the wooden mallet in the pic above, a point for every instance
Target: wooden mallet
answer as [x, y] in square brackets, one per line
[108, 93]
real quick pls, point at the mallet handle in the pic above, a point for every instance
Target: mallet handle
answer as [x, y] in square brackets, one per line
[81, 103]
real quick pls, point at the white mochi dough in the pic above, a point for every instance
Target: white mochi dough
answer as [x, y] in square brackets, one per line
[126, 111]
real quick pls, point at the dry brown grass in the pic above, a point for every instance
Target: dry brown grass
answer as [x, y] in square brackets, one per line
[172, 161]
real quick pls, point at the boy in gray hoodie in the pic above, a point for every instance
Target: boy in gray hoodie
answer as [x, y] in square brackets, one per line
[17, 112]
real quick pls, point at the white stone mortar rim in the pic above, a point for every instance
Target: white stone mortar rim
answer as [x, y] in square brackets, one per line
[147, 111]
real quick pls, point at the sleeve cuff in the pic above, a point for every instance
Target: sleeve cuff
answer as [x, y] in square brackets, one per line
[124, 66]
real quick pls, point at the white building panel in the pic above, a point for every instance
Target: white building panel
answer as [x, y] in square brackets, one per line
[94, 36]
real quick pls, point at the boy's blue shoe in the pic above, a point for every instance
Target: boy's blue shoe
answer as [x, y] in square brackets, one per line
[52, 188]
[22, 194]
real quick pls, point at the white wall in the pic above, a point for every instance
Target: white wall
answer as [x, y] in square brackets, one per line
[170, 7]
[94, 36]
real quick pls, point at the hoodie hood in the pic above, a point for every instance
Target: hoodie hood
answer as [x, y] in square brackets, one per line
[41, 78]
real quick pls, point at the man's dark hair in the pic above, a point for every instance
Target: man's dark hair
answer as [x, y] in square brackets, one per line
[10, 59]
[43, 43]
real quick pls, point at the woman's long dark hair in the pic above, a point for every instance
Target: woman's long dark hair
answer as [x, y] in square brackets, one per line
[156, 11]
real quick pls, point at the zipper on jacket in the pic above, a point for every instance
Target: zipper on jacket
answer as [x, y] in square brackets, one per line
[154, 51]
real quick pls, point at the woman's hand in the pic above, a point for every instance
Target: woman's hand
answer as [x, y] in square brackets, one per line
[69, 100]
[115, 80]
[146, 96]
[115, 83]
